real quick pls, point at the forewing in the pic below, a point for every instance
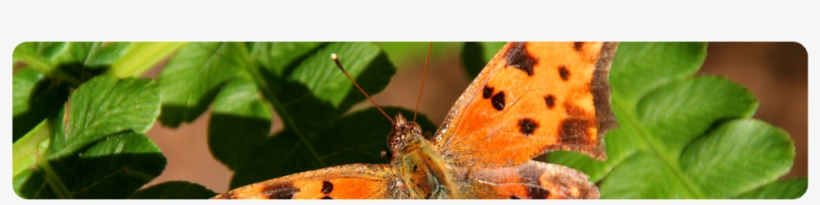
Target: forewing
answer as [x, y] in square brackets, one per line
[532, 98]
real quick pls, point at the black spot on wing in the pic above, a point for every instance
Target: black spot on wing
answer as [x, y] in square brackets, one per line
[488, 92]
[327, 197]
[550, 101]
[327, 187]
[498, 101]
[527, 126]
[579, 46]
[563, 72]
[514, 197]
[281, 191]
[518, 57]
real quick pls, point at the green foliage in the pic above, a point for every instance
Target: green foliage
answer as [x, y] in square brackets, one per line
[94, 147]
[244, 82]
[89, 142]
[103, 106]
[78, 128]
[194, 75]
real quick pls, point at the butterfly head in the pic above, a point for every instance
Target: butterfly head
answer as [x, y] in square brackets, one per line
[404, 133]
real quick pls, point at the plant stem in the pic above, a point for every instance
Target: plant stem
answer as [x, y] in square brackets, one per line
[54, 180]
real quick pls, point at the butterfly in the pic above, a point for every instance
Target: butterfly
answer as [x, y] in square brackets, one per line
[531, 98]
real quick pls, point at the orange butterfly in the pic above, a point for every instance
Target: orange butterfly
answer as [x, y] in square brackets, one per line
[530, 99]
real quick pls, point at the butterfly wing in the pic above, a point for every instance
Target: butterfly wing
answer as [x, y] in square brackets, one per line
[532, 98]
[354, 181]
[531, 180]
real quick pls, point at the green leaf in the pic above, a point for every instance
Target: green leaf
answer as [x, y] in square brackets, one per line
[31, 53]
[316, 92]
[240, 121]
[308, 99]
[132, 59]
[681, 136]
[193, 77]
[279, 156]
[476, 55]
[358, 137]
[60, 60]
[743, 153]
[102, 54]
[641, 67]
[364, 61]
[105, 106]
[75, 62]
[278, 57]
[32, 184]
[299, 80]
[643, 176]
[174, 190]
[785, 189]
[115, 167]
[57, 52]
[89, 149]
[34, 99]
[675, 113]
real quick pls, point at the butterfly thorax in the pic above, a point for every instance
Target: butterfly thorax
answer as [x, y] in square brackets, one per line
[417, 162]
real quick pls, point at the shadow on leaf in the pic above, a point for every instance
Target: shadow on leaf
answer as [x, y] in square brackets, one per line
[358, 137]
[44, 99]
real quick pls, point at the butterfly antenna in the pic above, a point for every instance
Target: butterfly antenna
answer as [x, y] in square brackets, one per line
[339, 64]
[423, 75]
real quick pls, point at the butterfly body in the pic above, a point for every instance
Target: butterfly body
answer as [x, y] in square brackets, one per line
[418, 163]
[530, 99]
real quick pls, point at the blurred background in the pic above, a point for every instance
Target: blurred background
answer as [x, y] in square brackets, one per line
[776, 72]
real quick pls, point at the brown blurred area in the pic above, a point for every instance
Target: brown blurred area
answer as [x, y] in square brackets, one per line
[777, 74]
